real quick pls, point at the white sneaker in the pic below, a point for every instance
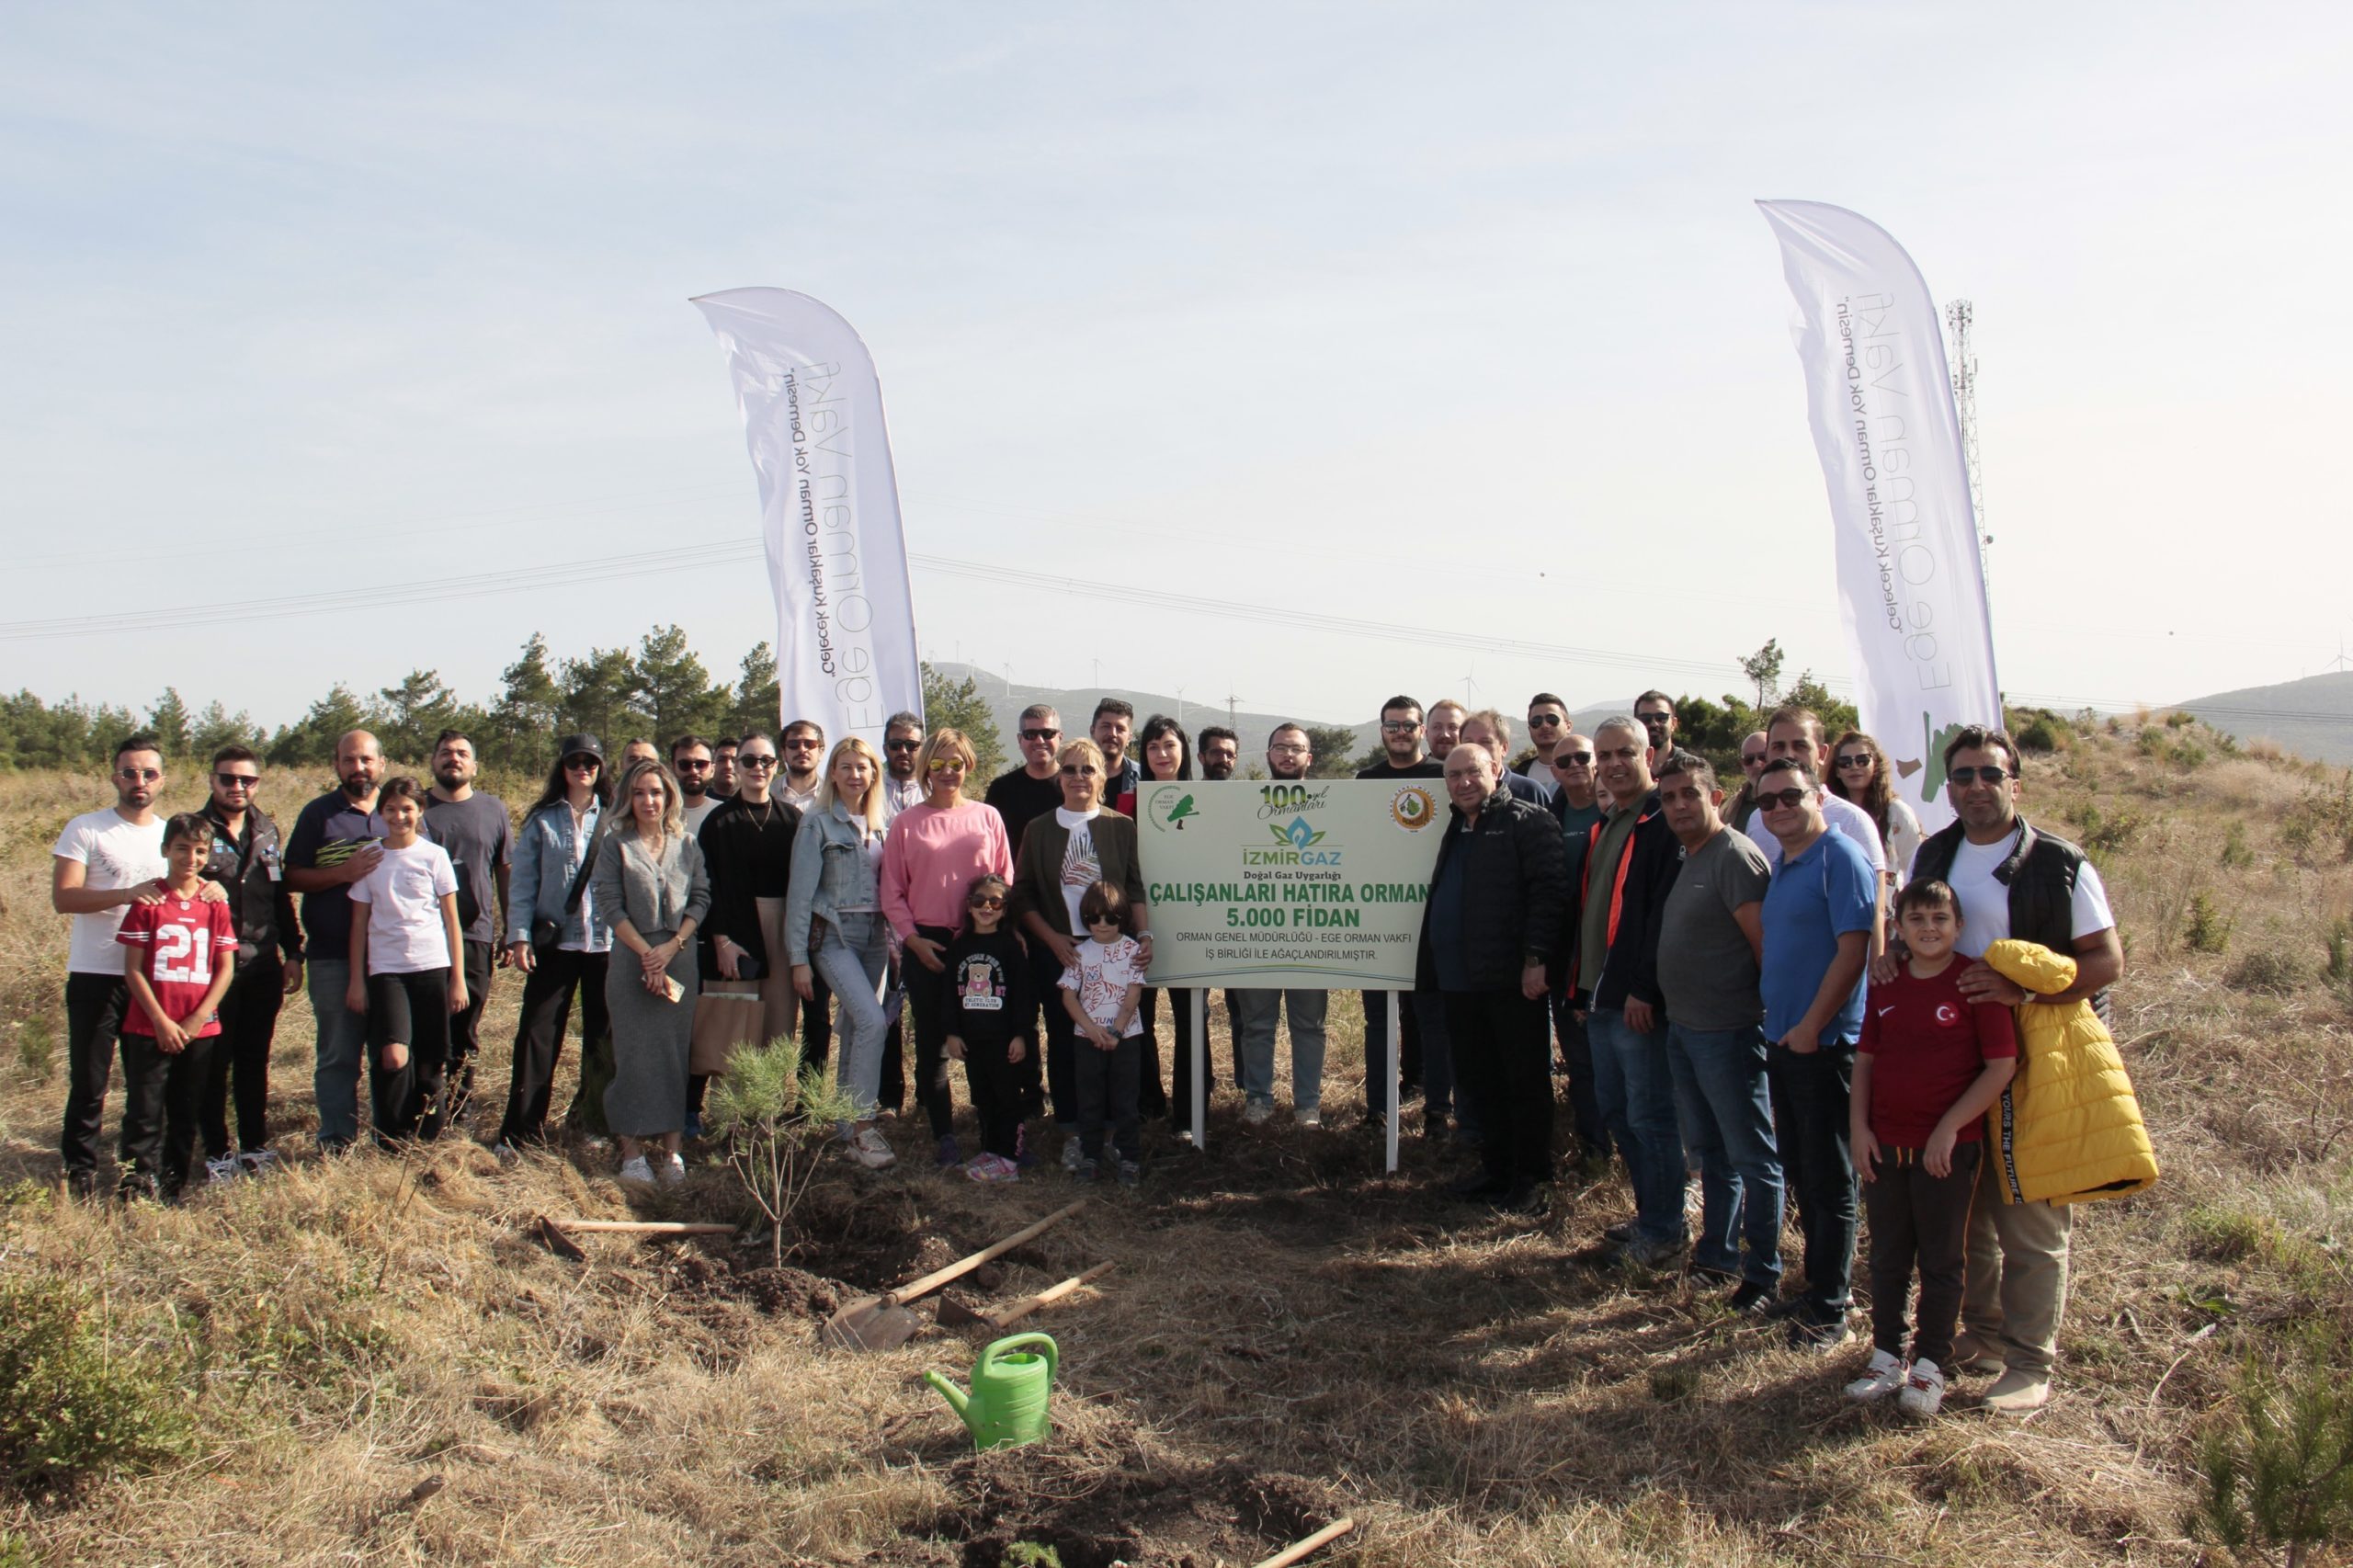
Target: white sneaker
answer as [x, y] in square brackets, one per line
[225, 1168]
[870, 1148]
[1311, 1117]
[671, 1171]
[1923, 1391]
[1256, 1111]
[1071, 1153]
[638, 1171]
[1883, 1375]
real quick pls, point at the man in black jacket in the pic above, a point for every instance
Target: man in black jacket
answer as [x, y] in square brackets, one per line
[1490, 931]
[1631, 857]
[247, 863]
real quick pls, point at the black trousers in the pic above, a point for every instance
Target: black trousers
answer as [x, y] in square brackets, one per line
[928, 1002]
[998, 1094]
[1810, 1123]
[1107, 1084]
[240, 1052]
[465, 1029]
[94, 1010]
[1152, 1097]
[412, 1010]
[817, 1023]
[1919, 1222]
[539, 1036]
[162, 1093]
[1408, 1054]
[1503, 1054]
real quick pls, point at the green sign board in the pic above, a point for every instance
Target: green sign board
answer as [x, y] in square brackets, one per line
[1312, 885]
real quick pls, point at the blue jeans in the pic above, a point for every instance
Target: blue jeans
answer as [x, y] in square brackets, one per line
[343, 1044]
[1584, 1105]
[852, 958]
[1727, 1114]
[1810, 1112]
[1258, 1011]
[1637, 1095]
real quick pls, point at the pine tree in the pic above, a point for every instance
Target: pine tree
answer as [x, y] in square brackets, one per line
[168, 722]
[219, 728]
[1764, 669]
[759, 701]
[1333, 746]
[414, 712]
[675, 688]
[600, 697]
[959, 705]
[310, 740]
[530, 706]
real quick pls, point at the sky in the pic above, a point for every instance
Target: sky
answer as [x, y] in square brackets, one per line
[1461, 320]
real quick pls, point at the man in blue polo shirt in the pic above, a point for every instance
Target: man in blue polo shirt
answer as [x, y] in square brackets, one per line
[1820, 911]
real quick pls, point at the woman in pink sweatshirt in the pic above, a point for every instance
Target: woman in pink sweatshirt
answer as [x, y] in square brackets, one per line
[934, 851]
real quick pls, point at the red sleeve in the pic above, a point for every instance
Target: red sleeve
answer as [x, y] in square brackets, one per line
[1868, 1044]
[1997, 1034]
[138, 927]
[225, 930]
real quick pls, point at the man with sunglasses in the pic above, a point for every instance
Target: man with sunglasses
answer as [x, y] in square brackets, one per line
[1656, 710]
[1631, 862]
[1401, 757]
[1795, 734]
[2014, 879]
[1548, 722]
[901, 739]
[1754, 754]
[1577, 805]
[803, 749]
[1023, 794]
[249, 865]
[1821, 918]
[105, 861]
[695, 763]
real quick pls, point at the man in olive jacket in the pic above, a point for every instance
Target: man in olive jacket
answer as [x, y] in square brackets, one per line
[1490, 933]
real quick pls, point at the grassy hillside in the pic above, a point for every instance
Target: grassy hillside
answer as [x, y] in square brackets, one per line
[376, 1361]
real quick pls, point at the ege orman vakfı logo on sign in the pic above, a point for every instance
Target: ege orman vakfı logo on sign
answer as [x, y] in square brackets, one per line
[1413, 807]
[1171, 807]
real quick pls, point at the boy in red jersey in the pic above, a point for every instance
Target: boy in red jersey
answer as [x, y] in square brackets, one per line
[1930, 1063]
[182, 953]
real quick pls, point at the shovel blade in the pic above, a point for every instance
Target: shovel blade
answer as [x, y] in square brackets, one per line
[871, 1324]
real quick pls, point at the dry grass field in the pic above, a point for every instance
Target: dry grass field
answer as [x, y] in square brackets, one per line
[1287, 1336]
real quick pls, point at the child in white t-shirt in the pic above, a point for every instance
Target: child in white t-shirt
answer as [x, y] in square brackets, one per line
[408, 969]
[1103, 987]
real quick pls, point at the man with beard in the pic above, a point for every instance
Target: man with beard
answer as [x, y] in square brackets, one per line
[803, 750]
[901, 739]
[723, 769]
[1219, 749]
[248, 862]
[1114, 724]
[1548, 725]
[694, 765]
[479, 837]
[335, 843]
[1288, 756]
[105, 861]
[1491, 732]
[1401, 757]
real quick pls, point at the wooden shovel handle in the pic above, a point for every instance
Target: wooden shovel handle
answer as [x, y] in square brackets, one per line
[645, 1227]
[1291, 1554]
[1020, 1310]
[964, 1265]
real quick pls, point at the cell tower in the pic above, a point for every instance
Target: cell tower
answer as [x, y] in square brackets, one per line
[1958, 317]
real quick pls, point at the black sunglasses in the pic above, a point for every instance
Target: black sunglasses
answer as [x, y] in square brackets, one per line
[903, 745]
[230, 780]
[1573, 759]
[1855, 759]
[1545, 721]
[1789, 798]
[1040, 735]
[755, 760]
[1989, 774]
[985, 902]
[694, 765]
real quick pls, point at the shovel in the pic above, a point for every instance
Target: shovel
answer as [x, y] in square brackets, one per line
[952, 1310]
[883, 1323]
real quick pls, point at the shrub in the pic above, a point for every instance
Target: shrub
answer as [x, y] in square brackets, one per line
[72, 1406]
[2279, 1472]
[37, 1048]
[2340, 953]
[2266, 970]
[775, 1113]
[2235, 849]
[2041, 736]
[2104, 835]
[2209, 930]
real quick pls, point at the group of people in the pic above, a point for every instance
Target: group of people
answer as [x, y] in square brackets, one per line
[1789, 991]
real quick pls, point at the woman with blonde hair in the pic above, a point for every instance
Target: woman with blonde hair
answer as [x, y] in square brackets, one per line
[1859, 773]
[650, 884]
[833, 928]
[935, 850]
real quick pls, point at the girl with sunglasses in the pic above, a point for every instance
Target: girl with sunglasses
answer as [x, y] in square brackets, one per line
[990, 1026]
[935, 852]
[1859, 773]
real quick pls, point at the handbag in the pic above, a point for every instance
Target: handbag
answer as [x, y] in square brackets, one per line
[547, 930]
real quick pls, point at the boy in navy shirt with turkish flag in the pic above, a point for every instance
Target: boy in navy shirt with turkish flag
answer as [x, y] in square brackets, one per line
[1930, 1063]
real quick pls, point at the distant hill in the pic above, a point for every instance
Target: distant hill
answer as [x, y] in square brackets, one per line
[2313, 717]
[1006, 699]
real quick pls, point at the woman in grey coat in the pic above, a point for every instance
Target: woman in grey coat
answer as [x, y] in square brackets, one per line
[651, 884]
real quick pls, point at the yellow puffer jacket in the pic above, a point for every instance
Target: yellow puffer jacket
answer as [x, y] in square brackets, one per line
[2068, 1129]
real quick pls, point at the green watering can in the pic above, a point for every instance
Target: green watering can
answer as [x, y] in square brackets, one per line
[1007, 1404]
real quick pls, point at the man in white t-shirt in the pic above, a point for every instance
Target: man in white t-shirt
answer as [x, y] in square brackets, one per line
[1797, 733]
[2012, 879]
[105, 863]
[691, 760]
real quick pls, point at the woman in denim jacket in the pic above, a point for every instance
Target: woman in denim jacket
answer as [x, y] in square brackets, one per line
[833, 926]
[555, 835]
